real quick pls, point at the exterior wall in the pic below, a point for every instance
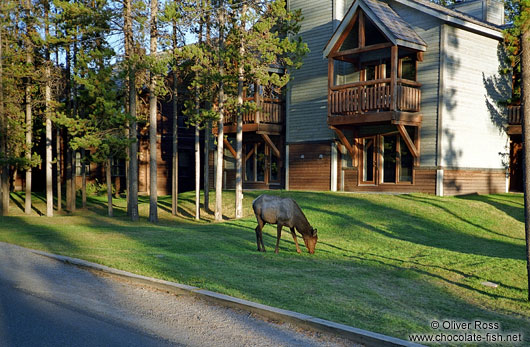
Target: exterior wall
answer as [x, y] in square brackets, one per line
[472, 133]
[424, 182]
[428, 74]
[307, 96]
[474, 181]
[310, 166]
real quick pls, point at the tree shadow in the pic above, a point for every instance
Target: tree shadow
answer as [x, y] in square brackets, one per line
[511, 208]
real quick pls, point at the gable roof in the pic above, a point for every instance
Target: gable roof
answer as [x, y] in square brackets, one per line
[454, 16]
[400, 32]
[386, 19]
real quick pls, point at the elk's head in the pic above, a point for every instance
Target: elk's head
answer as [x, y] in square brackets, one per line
[310, 240]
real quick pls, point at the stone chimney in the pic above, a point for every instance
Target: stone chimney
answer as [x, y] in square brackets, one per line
[491, 11]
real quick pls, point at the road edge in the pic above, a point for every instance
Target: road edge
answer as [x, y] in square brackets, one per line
[357, 335]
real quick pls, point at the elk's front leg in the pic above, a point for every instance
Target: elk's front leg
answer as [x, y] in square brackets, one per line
[278, 235]
[295, 240]
[259, 236]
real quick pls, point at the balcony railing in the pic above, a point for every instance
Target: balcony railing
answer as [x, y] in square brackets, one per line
[514, 115]
[271, 111]
[374, 96]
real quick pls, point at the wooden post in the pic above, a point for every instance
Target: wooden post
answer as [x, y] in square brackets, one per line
[258, 103]
[331, 79]
[393, 77]
[361, 29]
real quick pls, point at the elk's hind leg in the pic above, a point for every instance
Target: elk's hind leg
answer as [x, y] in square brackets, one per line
[259, 235]
[295, 240]
[278, 236]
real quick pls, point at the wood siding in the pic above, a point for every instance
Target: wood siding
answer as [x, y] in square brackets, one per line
[473, 131]
[307, 107]
[474, 181]
[428, 28]
[307, 171]
[424, 182]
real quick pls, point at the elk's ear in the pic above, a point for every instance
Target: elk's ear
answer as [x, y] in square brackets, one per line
[314, 232]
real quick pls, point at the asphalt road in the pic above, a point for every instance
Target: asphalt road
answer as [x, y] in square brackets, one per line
[44, 302]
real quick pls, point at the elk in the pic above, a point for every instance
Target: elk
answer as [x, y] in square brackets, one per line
[283, 212]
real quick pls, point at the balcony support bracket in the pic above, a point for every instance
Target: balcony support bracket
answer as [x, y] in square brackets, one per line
[345, 142]
[408, 141]
[229, 146]
[271, 145]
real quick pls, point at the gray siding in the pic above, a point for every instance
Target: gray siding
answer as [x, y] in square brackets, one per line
[428, 75]
[473, 8]
[308, 91]
[472, 125]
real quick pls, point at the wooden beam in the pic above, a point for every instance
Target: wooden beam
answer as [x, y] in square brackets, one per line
[361, 29]
[393, 77]
[249, 154]
[271, 145]
[345, 33]
[405, 135]
[344, 141]
[331, 78]
[353, 51]
[229, 146]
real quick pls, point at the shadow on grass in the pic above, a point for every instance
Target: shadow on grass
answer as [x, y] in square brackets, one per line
[504, 203]
[363, 288]
[454, 214]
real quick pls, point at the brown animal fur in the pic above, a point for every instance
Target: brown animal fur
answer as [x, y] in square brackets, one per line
[283, 212]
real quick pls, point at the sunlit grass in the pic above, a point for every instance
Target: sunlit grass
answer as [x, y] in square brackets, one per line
[386, 263]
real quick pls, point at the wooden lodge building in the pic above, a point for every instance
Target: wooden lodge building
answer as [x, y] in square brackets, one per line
[394, 96]
[399, 96]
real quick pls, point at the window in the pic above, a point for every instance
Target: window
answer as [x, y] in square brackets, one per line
[398, 161]
[405, 163]
[255, 162]
[389, 158]
[79, 165]
[408, 68]
[118, 167]
[368, 162]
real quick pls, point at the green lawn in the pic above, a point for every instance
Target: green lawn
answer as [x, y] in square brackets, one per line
[386, 263]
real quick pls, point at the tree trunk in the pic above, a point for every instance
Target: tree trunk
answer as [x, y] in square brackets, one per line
[175, 171]
[206, 173]
[74, 113]
[29, 126]
[133, 134]
[207, 136]
[48, 96]
[197, 172]
[525, 46]
[220, 130]
[58, 142]
[83, 178]
[58, 168]
[4, 178]
[73, 191]
[66, 137]
[153, 193]
[109, 186]
[68, 167]
[239, 134]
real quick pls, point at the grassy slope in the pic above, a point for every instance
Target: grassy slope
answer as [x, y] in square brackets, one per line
[386, 263]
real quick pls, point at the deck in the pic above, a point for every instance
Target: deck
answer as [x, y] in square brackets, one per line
[372, 102]
[514, 120]
[268, 119]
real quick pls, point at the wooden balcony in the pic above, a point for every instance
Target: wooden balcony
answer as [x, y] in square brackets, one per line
[514, 120]
[514, 115]
[372, 101]
[269, 118]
